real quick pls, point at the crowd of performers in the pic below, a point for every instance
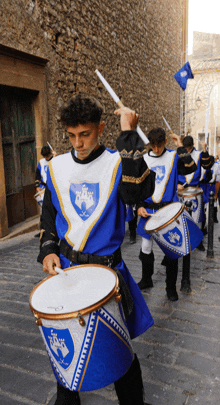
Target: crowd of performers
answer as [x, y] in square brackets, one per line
[73, 234]
[182, 169]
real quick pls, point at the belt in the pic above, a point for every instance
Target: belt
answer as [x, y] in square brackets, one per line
[155, 206]
[85, 258]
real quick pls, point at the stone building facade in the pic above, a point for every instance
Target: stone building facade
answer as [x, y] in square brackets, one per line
[203, 105]
[53, 48]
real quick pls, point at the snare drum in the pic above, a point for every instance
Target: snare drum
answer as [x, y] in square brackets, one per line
[82, 323]
[174, 230]
[39, 197]
[195, 195]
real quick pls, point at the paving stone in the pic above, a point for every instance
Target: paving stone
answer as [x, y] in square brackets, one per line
[172, 377]
[21, 308]
[8, 400]
[155, 334]
[12, 286]
[156, 394]
[18, 322]
[199, 344]
[10, 295]
[26, 360]
[206, 367]
[28, 340]
[25, 385]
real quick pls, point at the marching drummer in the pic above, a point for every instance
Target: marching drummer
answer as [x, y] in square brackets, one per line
[202, 159]
[83, 216]
[41, 171]
[167, 164]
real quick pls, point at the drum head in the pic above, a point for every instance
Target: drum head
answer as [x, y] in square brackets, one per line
[80, 288]
[162, 216]
[190, 191]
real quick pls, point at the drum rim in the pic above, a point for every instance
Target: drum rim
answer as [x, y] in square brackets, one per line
[84, 311]
[200, 191]
[170, 220]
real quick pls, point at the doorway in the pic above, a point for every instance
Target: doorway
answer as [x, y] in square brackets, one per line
[19, 152]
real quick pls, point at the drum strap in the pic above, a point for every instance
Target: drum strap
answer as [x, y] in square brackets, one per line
[126, 297]
[85, 258]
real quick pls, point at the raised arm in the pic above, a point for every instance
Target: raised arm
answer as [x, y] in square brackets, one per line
[138, 180]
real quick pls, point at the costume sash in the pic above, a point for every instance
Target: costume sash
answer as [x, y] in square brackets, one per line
[163, 166]
[79, 199]
[43, 167]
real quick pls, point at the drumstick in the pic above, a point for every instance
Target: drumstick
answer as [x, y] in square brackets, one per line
[167, 125]
[120, 104]
[49, 146]
[60, 271]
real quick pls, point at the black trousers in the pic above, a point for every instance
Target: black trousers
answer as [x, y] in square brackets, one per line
[129, 389]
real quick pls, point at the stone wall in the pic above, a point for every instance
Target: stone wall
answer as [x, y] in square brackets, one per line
[136, 45]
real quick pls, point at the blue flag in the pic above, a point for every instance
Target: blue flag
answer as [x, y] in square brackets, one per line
[183, 75]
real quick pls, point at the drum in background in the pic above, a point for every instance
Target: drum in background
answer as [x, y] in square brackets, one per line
[174, 230]
[39, 197]
[82, 323]
[195, 195]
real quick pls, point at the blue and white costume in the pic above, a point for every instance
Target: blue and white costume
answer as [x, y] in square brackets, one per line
[192, 179]
[90, 216]
[166, 169]
[41, 173]
[209, 185]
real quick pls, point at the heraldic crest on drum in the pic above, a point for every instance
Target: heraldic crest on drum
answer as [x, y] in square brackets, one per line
[160, 173]
[174, 237]
[195, 204]
[84, 198]
[60, 343]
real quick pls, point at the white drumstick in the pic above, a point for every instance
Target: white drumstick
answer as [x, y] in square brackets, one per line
[60, 271]
[49, 146]
[119, 103]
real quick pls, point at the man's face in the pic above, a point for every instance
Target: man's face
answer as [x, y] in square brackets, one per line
[85, 138]
[189, 148]
[48, 157]
[158, 148]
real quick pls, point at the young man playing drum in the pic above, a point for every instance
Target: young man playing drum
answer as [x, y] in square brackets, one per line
[41, 171]
[167, 164]
[202, 159]
[93, 234]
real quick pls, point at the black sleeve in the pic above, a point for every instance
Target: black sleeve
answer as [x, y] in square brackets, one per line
[38, 180]
[207, 161]
[185, 164]
[49, 239]
[138, 181]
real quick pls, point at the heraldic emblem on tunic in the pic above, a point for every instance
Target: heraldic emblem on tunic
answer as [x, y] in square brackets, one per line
[85, 198]
[160, 173]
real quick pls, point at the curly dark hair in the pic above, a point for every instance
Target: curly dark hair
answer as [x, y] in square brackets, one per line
[82, 109]
[45, 151]
[157, 136]
[188, 141]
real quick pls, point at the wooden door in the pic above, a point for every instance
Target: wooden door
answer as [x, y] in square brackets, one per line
[18, 139]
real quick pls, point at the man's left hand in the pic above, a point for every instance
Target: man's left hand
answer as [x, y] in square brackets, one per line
[176, 139]
[129, 118]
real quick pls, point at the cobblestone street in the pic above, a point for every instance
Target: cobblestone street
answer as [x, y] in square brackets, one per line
[179, 355]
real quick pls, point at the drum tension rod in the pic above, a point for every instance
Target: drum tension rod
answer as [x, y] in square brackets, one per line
[82, 321]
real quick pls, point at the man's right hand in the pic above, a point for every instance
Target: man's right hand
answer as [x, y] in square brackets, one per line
[49, 262]
[142, 212]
